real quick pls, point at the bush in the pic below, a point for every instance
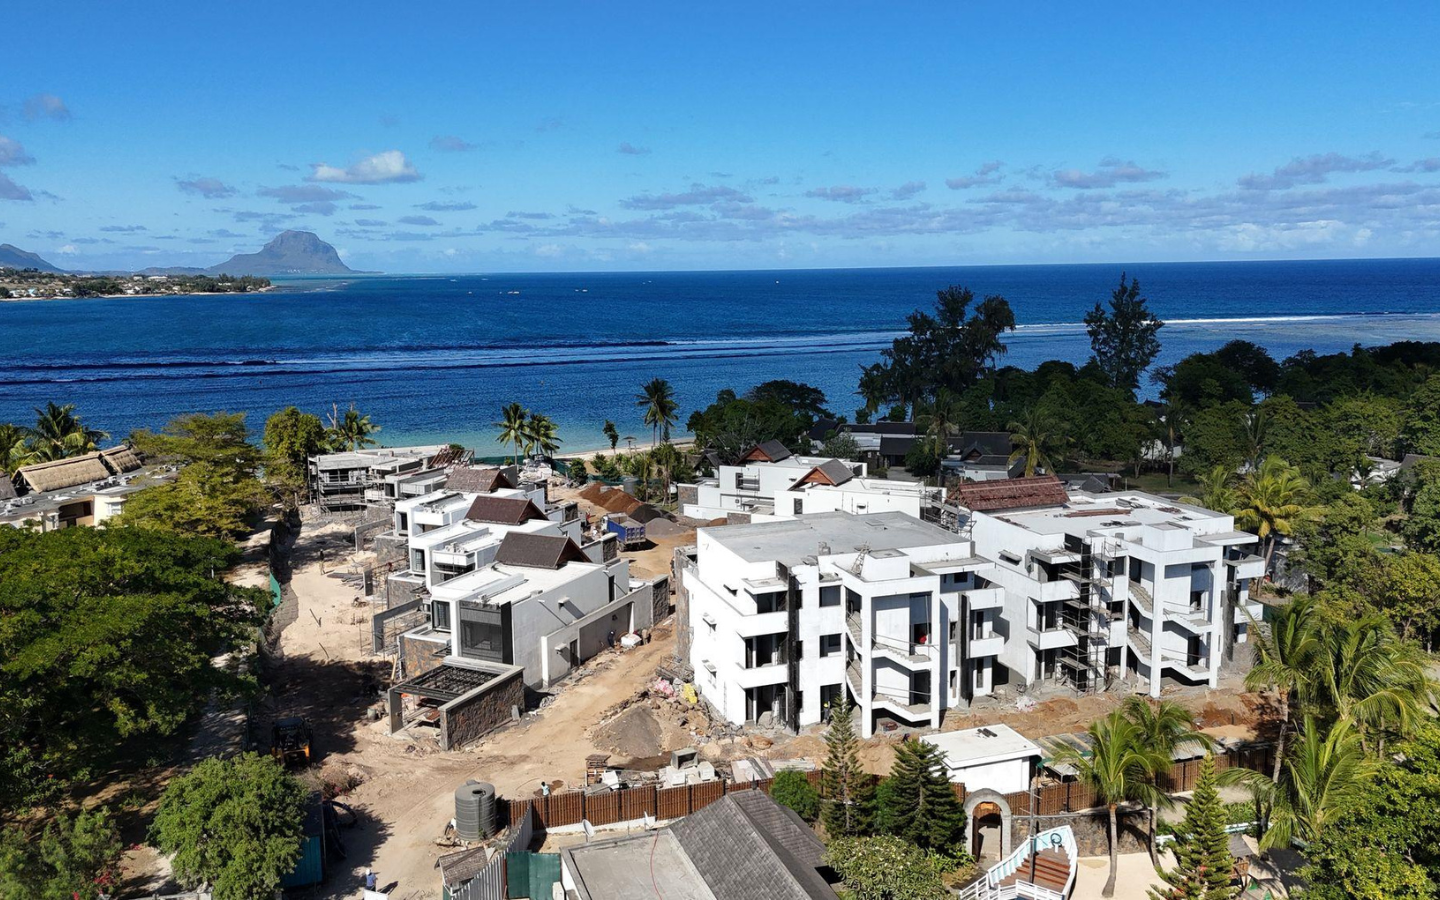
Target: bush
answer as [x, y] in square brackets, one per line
[887, 868]
[794, 790]
[72, 857]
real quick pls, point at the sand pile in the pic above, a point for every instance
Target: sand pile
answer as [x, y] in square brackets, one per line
[635, 734]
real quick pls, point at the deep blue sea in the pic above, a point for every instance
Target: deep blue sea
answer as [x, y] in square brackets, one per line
[434, 358]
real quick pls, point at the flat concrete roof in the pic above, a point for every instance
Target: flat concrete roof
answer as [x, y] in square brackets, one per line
[791, 540]
[635, 866]
[1085, 513]
[986, 744]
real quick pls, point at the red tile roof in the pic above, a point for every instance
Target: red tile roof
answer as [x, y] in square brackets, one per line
[1011, 493]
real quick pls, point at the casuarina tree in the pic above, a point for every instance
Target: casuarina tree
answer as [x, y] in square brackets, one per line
[921, 805]
[1203, 863]
[849, 791]
[1123, 339]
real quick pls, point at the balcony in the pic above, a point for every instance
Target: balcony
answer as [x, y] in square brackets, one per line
[759, 676]
[1244, 612]
[762, 623]
[986, 598]
[747, 485]
[1051, 591]
[990, 645]
[1050, 637]
[1248, 566]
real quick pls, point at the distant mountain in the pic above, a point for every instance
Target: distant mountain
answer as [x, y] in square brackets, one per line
[13, 257]
[289, 253]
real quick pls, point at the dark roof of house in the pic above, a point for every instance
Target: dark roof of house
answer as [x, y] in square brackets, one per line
[983, 444]
[767, 451]
[748, 847]
[479, 479]
[1411, 459]
[463, 865]
[831, 471]
[1089, 482]
[897, 445]
[822, 428]
[1011, 493]
[537, 551]
[503, 510]
[448, 456]
[883, 428]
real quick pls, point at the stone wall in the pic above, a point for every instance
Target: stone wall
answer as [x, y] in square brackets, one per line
[659, 599]
[737, 518]
[1092, 831]
[465, 720]
[418, 656]
[688, 493]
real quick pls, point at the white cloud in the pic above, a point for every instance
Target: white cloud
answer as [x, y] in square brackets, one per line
[46, 106]
[390, 167]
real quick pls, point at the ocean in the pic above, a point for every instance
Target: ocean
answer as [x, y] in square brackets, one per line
[434, 358]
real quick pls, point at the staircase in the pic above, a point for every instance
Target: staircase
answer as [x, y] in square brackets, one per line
[1043, 868]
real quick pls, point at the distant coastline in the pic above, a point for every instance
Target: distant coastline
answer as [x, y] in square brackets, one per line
[263, 290]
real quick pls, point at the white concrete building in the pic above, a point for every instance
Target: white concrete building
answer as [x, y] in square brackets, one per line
[791, 617]
[772, 483]
[992, 757]
[540, 604]
[1099, 586]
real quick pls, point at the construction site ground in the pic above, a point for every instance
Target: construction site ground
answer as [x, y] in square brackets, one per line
[403, 786]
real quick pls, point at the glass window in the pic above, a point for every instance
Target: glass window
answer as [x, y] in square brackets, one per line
[830, 595]
[440, 616]
[829, 644]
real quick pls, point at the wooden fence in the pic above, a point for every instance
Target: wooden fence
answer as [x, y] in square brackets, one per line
[609, 807]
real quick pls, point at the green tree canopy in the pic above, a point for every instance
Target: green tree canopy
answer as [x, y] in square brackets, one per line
[233, 823]
[849, 790]
[920, 803]
[73, 856]
[216, 494]
[106, 637]
[885, 868]
[1203, 863]
[793, 790]
[291, 438]
[1124, 339]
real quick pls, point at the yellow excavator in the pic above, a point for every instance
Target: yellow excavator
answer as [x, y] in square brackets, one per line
[290, 741]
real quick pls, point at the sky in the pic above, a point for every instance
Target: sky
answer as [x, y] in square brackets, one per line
[650, 136]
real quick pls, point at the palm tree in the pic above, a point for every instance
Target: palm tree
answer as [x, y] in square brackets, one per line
[1118, 769]
[15, 449]
[513, 419]
[1323, 779]
[541, 434]
[1287, 662]
[1270, 502]
[666, 458]
[1217, 490]
[1257, 428]
[1164, 725]
[351, 431]
[1371, 677]
[1030, 438]
[942, 420]
[657, 398]
[59, 433]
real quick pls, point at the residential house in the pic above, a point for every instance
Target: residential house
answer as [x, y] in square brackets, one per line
[744, 846]
[356, 479]
[540, 604]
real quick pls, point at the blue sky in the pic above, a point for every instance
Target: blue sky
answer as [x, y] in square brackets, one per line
[586, 136]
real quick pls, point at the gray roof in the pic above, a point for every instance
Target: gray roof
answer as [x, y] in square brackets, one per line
[748, 847]
[7, 486]
[773, 450]
[636, 865]
[789, 541]
[480, 479]
[537, 551]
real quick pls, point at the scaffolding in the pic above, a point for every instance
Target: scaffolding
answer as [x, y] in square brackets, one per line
[1089, 615]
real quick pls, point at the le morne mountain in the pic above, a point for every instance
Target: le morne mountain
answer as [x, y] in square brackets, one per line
[288, 253]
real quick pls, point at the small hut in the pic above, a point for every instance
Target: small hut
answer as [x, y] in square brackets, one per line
[60, 474]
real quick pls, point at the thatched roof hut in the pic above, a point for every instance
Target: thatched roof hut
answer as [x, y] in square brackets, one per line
[7, 486]
[64, 473]
[120, 459]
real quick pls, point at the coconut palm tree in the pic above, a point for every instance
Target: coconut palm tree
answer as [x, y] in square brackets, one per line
[1169, 426]
[351, 431]
[657, 399]
[15, 449]
[1118, 769]
[942, 420]
[667, 458]
[1271, 502]
[1322, 781]
[513, 419]
[1369, 676]
[1031, 439]
[1256, 434]
[541, 434]
[1217, 490]
[1287, 661]
[59, 433]
[1164, 725]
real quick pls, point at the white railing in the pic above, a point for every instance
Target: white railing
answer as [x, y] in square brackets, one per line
[1060, 839]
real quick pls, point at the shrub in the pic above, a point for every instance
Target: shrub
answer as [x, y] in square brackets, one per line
[794, 790]
[886, 868]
